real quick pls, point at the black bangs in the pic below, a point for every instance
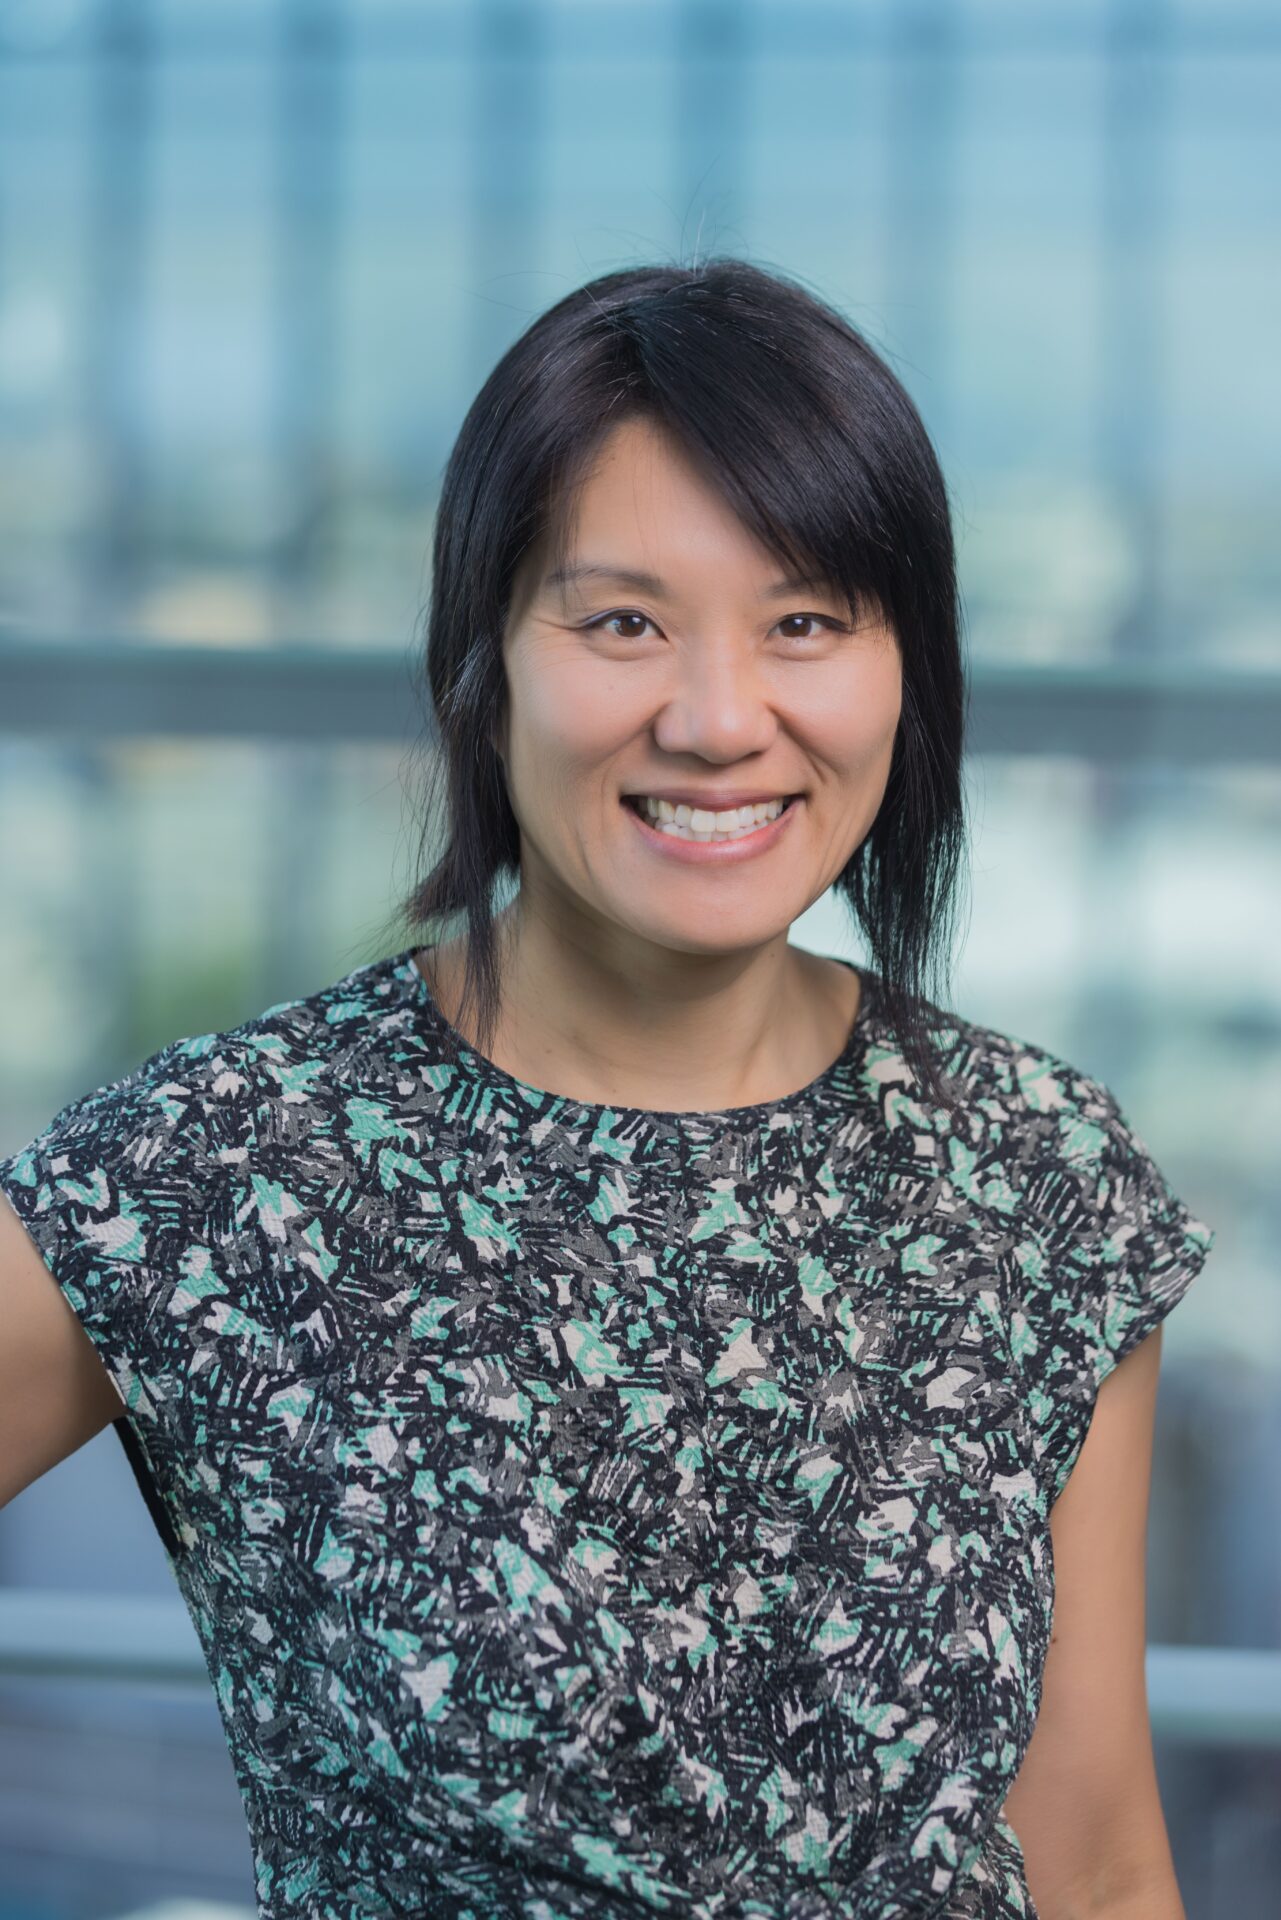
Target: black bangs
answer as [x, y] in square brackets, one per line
[767, 401]
[765, 397]
[811, 440]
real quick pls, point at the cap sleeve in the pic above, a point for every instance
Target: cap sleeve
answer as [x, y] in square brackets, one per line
[1112, 1250]
[116, 1192]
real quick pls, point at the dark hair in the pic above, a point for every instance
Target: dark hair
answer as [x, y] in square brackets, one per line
[817, 448]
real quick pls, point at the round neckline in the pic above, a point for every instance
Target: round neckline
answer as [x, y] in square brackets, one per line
[758, 1112]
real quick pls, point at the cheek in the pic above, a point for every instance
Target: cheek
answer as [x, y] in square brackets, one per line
[853, 725]
[567, 723]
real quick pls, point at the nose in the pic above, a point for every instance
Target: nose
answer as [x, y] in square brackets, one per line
[718, 707]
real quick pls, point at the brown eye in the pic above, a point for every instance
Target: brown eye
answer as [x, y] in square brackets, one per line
[607, 619]
[833, 626]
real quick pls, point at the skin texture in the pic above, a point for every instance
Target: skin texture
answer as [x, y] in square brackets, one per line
[630, 977]
[1085, 1805]
[55, 1393]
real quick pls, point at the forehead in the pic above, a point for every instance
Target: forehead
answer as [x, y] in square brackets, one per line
[642, 517]
[640, 479]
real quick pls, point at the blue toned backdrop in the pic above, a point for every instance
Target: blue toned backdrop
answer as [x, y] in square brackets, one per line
[256, 256]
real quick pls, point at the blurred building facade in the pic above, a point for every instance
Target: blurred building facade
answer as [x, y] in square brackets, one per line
[255, 260]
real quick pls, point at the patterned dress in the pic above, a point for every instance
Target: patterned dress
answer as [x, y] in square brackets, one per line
[592, 1512]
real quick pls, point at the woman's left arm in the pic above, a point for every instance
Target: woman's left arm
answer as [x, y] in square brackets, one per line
[1085, 1805]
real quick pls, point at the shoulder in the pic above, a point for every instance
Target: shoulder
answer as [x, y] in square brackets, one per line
[1026, 1083]
[1079, 1157]
[193, 1209]
[1032, 1143]
[1099, 1245]
[199, 1103]
[1013, 1097]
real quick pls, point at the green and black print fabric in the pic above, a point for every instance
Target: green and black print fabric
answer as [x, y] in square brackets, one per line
[588, 1512]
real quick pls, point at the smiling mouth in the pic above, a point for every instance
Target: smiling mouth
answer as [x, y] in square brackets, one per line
[680, 821]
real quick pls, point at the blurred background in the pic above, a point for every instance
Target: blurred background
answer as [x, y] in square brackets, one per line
[256, 257]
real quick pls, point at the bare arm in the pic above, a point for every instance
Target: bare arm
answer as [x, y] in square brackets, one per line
[1085, 1805]
[55, 1393]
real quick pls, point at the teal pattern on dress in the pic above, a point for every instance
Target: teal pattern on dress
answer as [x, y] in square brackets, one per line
[590, 1512]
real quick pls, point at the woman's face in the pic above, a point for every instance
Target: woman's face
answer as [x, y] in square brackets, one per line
[707, 684]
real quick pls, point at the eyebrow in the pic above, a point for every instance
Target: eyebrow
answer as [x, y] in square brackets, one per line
[650, 582]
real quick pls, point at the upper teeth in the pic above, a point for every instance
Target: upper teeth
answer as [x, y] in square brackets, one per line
[703, 820]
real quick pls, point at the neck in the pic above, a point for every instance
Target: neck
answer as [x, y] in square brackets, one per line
[638, 1025]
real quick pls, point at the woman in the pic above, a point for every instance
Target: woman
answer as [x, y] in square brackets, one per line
[615, 1386]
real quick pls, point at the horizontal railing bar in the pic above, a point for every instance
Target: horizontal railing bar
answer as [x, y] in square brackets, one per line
[1210, 1696]
[1121, 713]
[1215, 1696]
[833, 25]
[98, 1637]
[116, 688]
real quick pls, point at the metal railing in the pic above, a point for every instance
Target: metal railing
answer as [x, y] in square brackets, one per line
[1113, 712]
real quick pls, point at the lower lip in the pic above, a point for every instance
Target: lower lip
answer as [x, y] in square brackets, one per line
[715, 853]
